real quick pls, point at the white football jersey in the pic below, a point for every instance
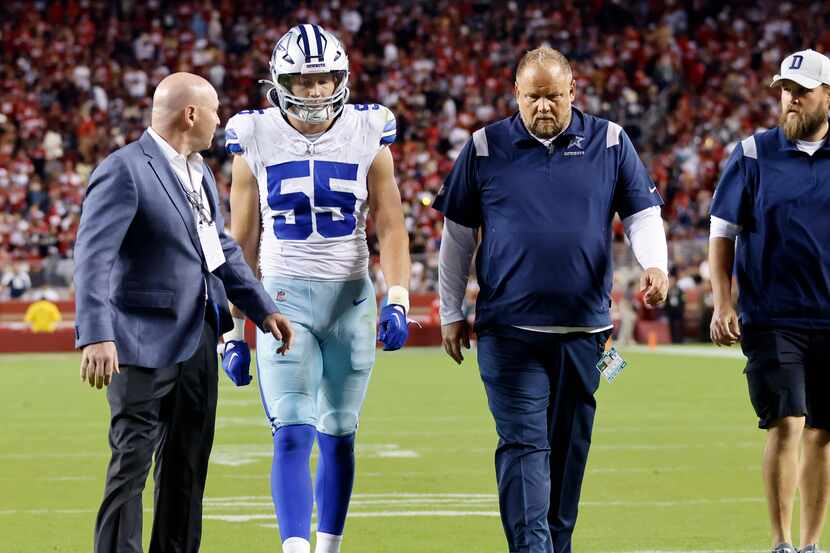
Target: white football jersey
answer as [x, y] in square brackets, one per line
[312, 194]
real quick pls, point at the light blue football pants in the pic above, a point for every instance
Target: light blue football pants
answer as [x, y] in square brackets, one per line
[323, 378]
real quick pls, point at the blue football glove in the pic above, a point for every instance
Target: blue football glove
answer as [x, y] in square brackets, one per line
[236, 361]
[392, 327]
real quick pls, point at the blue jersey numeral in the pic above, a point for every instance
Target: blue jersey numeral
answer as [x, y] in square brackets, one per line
[297, 202]
[300, 203]
[324, 196]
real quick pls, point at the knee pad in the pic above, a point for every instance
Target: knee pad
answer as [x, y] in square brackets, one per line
[293, 409]
[338, 423]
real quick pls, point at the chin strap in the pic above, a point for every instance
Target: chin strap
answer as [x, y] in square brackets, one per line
[272, 95]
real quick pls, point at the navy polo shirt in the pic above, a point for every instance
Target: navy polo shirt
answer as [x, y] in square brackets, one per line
[545, 214]
[780, 196]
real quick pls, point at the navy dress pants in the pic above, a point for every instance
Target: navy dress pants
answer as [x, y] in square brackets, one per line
[540, 389]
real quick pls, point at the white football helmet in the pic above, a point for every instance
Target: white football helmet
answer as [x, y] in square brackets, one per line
[304, 50]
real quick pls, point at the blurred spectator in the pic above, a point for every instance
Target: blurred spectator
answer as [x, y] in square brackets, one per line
[42, 316]
[17, 280]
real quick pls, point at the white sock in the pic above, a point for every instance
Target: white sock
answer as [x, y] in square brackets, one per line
[327, 543]
[296, 545]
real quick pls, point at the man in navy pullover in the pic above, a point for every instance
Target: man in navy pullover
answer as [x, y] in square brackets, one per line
[774, 198]
[541, 188]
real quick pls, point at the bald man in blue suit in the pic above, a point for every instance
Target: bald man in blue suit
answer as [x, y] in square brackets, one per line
[154, 271]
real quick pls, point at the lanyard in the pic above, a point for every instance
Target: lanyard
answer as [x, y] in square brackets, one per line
[196, 200]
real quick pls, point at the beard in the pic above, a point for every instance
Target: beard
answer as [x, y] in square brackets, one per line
[797, 126]
[546, 128]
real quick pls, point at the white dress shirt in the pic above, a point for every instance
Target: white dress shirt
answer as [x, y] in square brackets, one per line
[190, 171]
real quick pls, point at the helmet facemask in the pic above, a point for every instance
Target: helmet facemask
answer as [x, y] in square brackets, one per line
[305, 108]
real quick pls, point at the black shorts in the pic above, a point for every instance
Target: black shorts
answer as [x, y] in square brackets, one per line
[788, 372]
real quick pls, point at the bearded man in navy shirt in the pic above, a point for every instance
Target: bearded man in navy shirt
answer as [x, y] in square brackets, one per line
[541, 189]
[774, 198]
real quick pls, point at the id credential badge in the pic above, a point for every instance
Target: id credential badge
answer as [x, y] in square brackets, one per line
[212, 248]
[611, 364]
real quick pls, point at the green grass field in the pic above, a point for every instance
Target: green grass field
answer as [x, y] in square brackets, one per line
[674, 464]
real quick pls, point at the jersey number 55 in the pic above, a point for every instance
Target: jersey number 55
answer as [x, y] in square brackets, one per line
[293, 213]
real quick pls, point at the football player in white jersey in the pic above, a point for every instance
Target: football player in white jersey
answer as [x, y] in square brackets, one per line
[305, 174]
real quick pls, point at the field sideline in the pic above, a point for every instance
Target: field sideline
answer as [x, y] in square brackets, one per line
[674, 465]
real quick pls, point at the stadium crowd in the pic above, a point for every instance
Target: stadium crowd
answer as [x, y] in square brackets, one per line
[686, 80]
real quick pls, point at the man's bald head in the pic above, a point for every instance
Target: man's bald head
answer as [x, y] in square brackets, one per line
[176, 92]
[185, 111]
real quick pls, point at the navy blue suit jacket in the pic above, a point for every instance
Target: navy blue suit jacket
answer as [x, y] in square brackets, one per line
[140, 273]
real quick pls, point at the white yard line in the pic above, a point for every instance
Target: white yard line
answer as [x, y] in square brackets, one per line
[377, 514]
[389, 495]
[217, 508]
[55, 455]
[475, 498]
[14, 512]
[235, 455]
[245, 454]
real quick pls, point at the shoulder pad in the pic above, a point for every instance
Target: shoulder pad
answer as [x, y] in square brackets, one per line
[239, 131]
[390, 126]
[380, 119]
